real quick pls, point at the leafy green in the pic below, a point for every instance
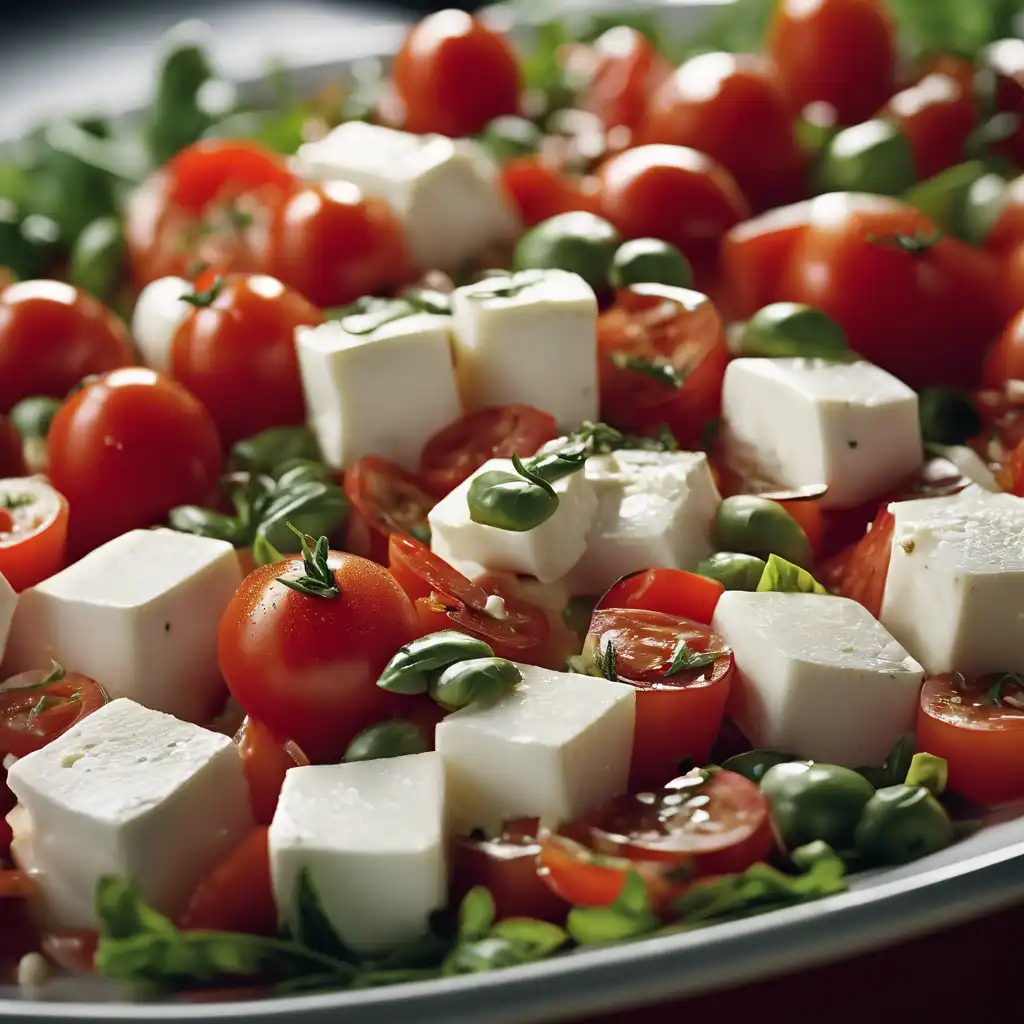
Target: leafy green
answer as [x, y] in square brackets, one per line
[780, 575]
[893, 770]
[952, 26]
[686, 659]
[311, 929]
[629, 916]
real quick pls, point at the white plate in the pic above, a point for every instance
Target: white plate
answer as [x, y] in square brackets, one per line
[974, 877]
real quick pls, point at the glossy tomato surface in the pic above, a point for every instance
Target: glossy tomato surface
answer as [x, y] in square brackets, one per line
[33, 531]
[265, 760]
[671, 591]
[38, 706]
[540, 188]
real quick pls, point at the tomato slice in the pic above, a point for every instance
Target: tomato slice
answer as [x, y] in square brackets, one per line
[458, 450]
[37, 707]
[979, 729]
[678, 715]
[420, 573]
[265, 760]
[33, 531]
[385, 500]
[214, 169]
[666, 590]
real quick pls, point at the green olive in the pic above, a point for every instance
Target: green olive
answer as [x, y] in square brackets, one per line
[753, 764]
[97, 257]
[902, 823]
[947, 416]
[32, 416]
[580, 242]
[410, 668]
[734, 570]
[394, 738]
[650, 261]
[507, 137]
[795, 330]
[759, 526]
[874, 156]
[478, 681]
[824, 801]
[981, 208]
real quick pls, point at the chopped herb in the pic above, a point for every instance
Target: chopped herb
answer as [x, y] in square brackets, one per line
[13, 501]
[686, 659]
[607, 661]
[657, 370]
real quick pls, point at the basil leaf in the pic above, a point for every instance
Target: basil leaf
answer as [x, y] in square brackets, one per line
[893, 770]
[508, 501]
[205, 523]
[629, 916]
[785, 577]
[315, 508]
[270, 449]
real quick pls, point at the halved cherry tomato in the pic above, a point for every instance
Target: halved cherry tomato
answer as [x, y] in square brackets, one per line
[237, 895]
[678, 714]
[33, 531]
[457, 451]
[265, 760]
[385, 500]
[37, 707]
[540, 189]
[978, 727]
[671, 591]
[453, 75]
[507, 866]
[860, 571]
[675, 327]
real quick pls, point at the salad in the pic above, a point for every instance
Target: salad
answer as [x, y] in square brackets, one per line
[513, 503]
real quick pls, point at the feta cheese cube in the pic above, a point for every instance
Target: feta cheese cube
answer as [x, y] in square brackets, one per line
[446, 192]
[954, 593]
[530, 339]
[371, 836]
[139, 615]
[381, 393]
[799, 422]
[555, 748]
[547, 551]
[654, 510]
[127, 792]
[159, 312]
[819, 677]
[8, 602]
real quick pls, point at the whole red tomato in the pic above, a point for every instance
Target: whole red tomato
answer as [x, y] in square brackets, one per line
[540, 189]
[731, 107]
[453, 74]
[51, 336]
[1005, 360]
[128, 448]
[1001, 80]
[237, 355]
[306, 662]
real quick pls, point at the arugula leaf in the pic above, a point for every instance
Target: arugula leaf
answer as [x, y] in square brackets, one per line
[629, 916]
[785, 577]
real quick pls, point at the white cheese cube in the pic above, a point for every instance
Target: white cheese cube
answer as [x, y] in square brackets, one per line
[159, 312]
[547, 551]
[799, 422]
[8, 602]
[819, 677]
[529, 339]
[555, 748]
[127, 792]
[382, 393]
[954, 594]
[446, 192]
[654, 510]
[371, 836]
[139, 615]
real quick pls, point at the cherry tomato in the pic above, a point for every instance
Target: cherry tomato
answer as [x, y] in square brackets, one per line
[1001, 73]
[33, 531]
[457, 451]
[507, 866]
[237, 895]
[213, 169]
[540, 189]
[1005, 360]
[731, 107]
[678, 714]
[674, 327]
[265, 760]
[51, 336]
[128, 448]
[936, 115]
[673, 193]
[453, 75]
[839, 52]
[237, 356]
[12, 458]
[671, 591]
[976, 726]
[37, 707]
[385, 499]
[333, 244]
[307, 666]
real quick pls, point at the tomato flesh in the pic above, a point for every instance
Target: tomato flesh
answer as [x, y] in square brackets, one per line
[33, 712]
[33, 531]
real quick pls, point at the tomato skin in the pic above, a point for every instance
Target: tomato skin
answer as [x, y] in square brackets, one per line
[627, 70]
[307, 666]
[981, 742]
[731, 107]
[12, 458]
[211, 169]
[33, 538]
[540, 189]
[1005, 360]
[23, 731]
[51, 336]
[860, 571]
[671, 591]
[673, 193]
[237, 356]
[265, 760]
[127, 449]
[453, 75]
[840, 52]
[332, 244]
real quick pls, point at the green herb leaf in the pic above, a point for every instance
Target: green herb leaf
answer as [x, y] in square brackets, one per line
[686, 659]
[606, 660]
[916, 244]
[270, 450]
[393, 738]
[783, 576]
[478, 681]
[893, 770]
[311, 928]
[947, 416]
[263, 552]
[412, 666]
[629, 916]
[318, 580]
[536, 478]
[662, 372]
[510, 501]
[205, 523]
[476, 914]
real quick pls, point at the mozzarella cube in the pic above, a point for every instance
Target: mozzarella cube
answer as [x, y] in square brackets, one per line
[954, 593]
[8, 602]
[555, 748]
[371, 837]
[127, 792]
[529, 339]
[654, 510]
[446, 192]
[159, 312]
[799, 422]
[381, 393]
[547, 551]
[819, 677]
[139, 615]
